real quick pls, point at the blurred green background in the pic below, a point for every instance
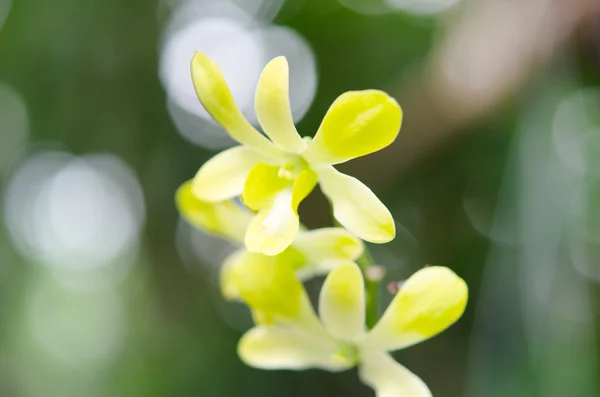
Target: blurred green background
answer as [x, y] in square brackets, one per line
[104, 291]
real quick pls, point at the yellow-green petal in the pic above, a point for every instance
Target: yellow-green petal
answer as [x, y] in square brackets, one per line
[388, 378]
[263, 184]
[272, 347]
[274, 228]
[276, 195]
[304, 183]
[342, 302]
[223, 176]
[215, 96]
[289, 257]
[356, 124]
[225, 218]
[227, 278]
[273, 109]
[268, 285]
[356, 207]
[325, 249]
[261, 318]
[427, 303]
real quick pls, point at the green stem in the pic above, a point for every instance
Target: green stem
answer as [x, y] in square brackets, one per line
[372, 289]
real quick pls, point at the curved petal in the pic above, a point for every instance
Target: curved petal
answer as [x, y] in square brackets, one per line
[268, 284]
[356, 207]
[274, 228]
[276, 196]
[356, 124]
[225, 218]
[223, 176]
[232, 264]
[427, 303]
[263, 184]
[273, 109]
[325, 249]
[261, 318]
[214, 94]
[388, 378]
[304, 183]
[342, 302]
[271, 347]
[227, 278]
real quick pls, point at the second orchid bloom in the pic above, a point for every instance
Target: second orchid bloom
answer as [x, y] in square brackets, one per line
[289, 335]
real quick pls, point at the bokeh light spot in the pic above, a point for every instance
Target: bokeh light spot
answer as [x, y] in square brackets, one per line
[74, 213]
[241, 46]
[422, 6]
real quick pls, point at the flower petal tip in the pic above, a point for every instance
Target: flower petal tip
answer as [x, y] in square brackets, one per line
[279, 60]
[357, 123]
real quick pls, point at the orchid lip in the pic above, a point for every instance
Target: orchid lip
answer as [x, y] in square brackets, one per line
[273, 224]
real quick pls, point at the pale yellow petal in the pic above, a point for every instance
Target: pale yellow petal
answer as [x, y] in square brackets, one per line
[427, 303]
[304, 183]
[229, 288]
[342, 302]
[357, 123]
[325, 249]
[276, 196]
[268, 285]
[272, 347]
[263, 184]
[274, 228]
[273, 106]
[215, 96]
[225, 218]
[388, 378]
[356, 207]
[223, 176]
[232, 264]
[261, 318]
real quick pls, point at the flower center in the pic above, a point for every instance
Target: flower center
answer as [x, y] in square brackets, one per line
[292, 166]
[347, 354]
[286, 172]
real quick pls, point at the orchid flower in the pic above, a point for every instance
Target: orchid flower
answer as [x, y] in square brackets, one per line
[289, 335]
[313, 253]
[273, 175]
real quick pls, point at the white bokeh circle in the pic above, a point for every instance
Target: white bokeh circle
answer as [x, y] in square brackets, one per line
[241, 47]
[229, 44]
[263, 10]
[285, 41]
[74, 213]
[422, 7]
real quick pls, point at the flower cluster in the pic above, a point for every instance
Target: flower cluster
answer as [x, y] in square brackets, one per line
[272, 176]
